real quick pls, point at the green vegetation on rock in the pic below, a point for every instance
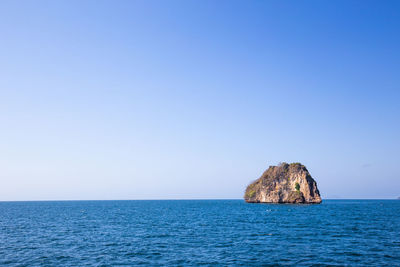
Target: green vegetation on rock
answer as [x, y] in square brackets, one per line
[251, 193]
[297, 186]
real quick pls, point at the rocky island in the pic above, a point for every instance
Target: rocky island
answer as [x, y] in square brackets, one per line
[285, 183]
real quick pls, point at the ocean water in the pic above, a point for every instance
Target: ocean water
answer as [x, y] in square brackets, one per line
[199, 232]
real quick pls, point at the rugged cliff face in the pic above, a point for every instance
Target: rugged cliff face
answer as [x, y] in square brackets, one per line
[286, 183]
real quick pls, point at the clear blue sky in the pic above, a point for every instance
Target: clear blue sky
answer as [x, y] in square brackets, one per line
[195, 99]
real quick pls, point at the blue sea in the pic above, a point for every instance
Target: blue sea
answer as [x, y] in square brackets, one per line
[199, 232]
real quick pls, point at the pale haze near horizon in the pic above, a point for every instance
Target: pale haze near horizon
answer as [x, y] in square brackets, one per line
[195, 99]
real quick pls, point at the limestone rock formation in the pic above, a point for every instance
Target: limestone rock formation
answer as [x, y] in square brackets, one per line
[285, 183]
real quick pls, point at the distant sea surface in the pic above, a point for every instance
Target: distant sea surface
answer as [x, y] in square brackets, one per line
[199, 232]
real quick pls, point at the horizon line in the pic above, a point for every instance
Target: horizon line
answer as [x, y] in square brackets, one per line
[173, 199]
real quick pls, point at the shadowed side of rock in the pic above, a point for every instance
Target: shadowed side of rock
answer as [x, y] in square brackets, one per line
[286, 183]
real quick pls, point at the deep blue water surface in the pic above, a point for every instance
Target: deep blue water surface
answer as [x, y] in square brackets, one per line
[203, 232]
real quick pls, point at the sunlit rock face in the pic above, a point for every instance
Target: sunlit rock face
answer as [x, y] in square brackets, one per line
[285, 183]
